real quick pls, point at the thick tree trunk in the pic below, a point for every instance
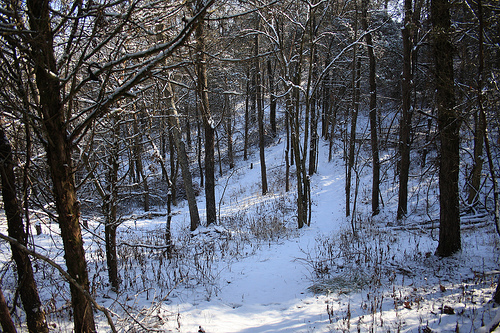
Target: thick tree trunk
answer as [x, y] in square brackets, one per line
[448, 125]
[35, 316]
[59, 159]
[405, 123]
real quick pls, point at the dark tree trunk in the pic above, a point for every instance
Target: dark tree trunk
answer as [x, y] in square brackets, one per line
[260, 114]
[313, 144]
[272, 97]
[60, 163]
[208, 124]
[110, 210]
[247, 117]
[5, 318]
[373, 113]
[35, 316]
[229, 128]
[405, 123]
[356, 74]
[479, 120]
[448, 125]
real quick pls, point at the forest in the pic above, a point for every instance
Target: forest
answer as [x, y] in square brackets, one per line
[249, 166]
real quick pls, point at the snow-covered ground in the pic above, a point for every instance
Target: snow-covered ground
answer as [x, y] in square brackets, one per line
[241, 276]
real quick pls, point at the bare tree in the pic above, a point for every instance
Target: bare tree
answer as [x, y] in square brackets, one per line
[183, 158]
[61, 46]
[35, 315]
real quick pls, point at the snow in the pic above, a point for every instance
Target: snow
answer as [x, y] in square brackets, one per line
[387, 279]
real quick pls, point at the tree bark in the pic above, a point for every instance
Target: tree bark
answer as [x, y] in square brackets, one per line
[479, 120]
[5, 318]
[260, 114]
[405, 123]
[272, 97]
[247, 117]
[373, 112]
[59, 148]
[448, 125]
[110, 209]
[355, 82]
[313, 74]
[35, 316]
[183, 160]
[208, 124]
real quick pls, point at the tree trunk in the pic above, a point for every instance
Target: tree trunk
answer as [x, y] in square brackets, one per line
[404, 139]
[260, 114]
[5, 318]
[208, 124]
[59, 159]
[228, 121]
[110, 210]
[183, 160]
[356, 76]
[479, 120]
[356, 73]
[173, 169]
[247, 117]
[138, 151]
[448, 125]
[272, 97]
[373, 112]
[313, 144]
[35, 316]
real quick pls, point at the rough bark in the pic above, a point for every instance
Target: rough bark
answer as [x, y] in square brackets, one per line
[35, 316]
[59, 148]
[448, 126]
[110, 211]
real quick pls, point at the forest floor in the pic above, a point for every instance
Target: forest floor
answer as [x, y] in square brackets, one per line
[255, 272]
